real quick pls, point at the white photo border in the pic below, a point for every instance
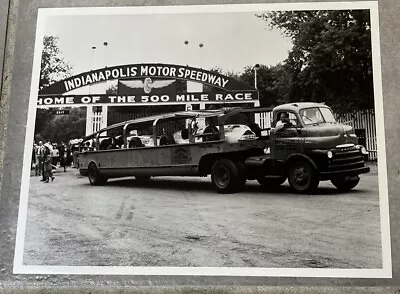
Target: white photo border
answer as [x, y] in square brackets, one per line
[384, 272]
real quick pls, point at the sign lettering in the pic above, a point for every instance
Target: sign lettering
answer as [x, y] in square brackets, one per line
[150, 70]
[52, 100]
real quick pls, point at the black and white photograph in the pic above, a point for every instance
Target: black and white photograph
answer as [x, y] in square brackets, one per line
[222, 140]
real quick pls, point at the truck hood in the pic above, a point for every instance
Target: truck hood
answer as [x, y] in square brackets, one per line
[325, 136]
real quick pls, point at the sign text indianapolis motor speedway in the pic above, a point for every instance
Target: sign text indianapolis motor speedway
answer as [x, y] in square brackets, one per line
[142, 71]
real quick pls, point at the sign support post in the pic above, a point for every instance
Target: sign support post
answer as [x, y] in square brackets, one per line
[89, 120]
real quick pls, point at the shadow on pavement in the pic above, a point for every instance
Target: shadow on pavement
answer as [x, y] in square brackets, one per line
[191, 185]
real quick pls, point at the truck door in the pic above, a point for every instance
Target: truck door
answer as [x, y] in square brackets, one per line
[285, 141]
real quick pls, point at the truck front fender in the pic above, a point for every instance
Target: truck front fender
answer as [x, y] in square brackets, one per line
[298, 156]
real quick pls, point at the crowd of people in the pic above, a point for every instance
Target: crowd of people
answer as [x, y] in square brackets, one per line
[49, 156]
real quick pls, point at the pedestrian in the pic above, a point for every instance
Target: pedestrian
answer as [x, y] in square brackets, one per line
[39, 160]
[50, 146]
[69, 156]
[64, 155]
[47, 166]
[75, 153]
[55, 155]
[33, 158]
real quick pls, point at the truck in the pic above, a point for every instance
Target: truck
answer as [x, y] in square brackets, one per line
[306, 147]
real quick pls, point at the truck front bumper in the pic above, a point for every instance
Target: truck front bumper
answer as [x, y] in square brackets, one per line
[343, 173]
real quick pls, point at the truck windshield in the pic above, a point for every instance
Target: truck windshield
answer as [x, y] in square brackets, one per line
[317, 115]
[328, 115]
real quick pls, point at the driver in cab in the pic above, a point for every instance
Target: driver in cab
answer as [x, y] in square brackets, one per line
[283, 122]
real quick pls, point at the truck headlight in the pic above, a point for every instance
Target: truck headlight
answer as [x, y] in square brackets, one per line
[329, 154]
[364, 151]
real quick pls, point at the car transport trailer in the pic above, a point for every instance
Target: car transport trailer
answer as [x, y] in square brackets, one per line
[226, 144]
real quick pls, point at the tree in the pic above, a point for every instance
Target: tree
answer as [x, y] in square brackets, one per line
[63, 127]
[53, 66]
[112, 90]
[331, 58]
[43, 117]
[269, 83]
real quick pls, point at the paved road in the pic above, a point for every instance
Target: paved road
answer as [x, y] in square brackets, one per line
[184, 222]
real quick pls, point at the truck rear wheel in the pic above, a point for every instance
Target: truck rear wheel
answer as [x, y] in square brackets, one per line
[95, 178]
[344, 185]
[303, 177]
[226, 176]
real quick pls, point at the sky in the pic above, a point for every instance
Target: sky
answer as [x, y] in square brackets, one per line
[231, 40]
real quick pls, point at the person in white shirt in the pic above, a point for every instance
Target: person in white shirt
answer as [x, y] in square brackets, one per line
[282, 122]
[55, 155]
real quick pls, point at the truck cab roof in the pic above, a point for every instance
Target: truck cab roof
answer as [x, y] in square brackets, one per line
[298, 105]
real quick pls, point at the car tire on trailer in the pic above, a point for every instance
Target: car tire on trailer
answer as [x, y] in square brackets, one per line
[95, 178]
[226, 176]
[344, 185]
[302, 176]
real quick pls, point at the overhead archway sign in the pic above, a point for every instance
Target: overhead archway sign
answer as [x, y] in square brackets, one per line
[227, 89]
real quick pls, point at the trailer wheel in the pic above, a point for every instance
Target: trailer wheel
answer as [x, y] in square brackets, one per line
[142, 179]
[270, 182]
[303, 177]
[344, 185]
[226, 176]
[95, 178]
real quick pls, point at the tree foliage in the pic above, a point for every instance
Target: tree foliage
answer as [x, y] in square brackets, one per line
[269, 83]
[53, 66]
[112, 90]
[49, 126]
[331, 58]
[59, 128]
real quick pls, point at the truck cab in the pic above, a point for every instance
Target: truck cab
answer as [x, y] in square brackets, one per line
[307, 145]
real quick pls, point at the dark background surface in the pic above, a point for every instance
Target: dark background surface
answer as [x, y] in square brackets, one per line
[13, 116]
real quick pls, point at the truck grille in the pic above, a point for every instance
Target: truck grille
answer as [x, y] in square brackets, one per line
[345, 159]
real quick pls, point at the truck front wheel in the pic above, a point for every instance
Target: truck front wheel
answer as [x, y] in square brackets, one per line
[344, 185]
[95, 178]
[226, 176]
[303, 177]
